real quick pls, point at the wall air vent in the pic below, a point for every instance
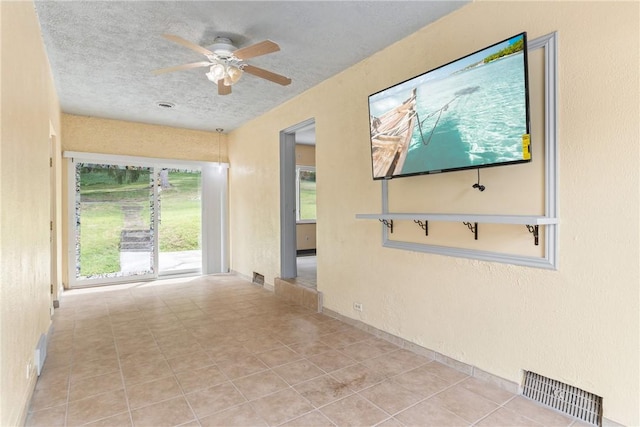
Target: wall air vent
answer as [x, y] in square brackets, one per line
[40, 354]
[258, 279]
[563, 397]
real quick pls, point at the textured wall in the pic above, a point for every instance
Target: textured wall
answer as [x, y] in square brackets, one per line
[305, 236]
[29, 110]
[305, 155]
[95, 135]
[578, 324]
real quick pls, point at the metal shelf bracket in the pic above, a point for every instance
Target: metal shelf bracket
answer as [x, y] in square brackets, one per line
[388, 223]
[473, 227]
[424, 225]
[533, 229]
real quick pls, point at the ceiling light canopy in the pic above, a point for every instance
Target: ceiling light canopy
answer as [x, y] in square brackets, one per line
[222, 47]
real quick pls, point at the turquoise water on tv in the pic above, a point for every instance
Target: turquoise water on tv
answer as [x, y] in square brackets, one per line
[471, 118]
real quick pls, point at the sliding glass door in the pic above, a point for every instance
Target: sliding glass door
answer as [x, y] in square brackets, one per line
[180, 219]
[134, 218]
[114, 213]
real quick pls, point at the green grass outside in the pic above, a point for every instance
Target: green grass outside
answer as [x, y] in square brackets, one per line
[100, 238]
[102, 219]
[180, 213]
[307, 200]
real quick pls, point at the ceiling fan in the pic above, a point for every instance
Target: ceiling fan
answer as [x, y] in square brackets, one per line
[226, 62]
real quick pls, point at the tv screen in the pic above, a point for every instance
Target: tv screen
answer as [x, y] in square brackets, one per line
[470, 113]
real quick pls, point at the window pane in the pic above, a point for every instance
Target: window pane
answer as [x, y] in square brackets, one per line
[114, 216]
[179, 195]
[307, 195]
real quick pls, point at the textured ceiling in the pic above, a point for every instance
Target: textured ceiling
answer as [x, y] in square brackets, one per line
[102, 53]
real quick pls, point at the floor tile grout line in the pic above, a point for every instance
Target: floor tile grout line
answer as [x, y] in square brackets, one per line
[124, 383]
[228, 380]
[572, 420]
[427, 397]
[69, 370]
[174, 375]
[486, 416]
[69, 374]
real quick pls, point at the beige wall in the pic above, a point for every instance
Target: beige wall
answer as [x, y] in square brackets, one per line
[305, 233]
[305, 155]
[96, 135]
[29, 111]
[578, 324]
[305, 236]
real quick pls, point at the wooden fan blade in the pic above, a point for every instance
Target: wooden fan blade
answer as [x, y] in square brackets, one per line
[262, 73]
[223, 89]
[186, 43]
[257, 49]
[183, 67]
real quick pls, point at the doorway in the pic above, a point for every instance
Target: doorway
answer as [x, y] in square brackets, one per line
[298, 203]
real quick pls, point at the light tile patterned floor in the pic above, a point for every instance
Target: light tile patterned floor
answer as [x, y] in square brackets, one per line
[219, 351]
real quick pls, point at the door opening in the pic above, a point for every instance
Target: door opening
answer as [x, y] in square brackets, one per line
[296, 180]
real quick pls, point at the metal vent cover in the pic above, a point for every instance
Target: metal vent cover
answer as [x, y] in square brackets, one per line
[563, 397]
[40, 354]
[258, 279]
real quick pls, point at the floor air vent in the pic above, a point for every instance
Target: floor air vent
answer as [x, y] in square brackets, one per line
[563, 397]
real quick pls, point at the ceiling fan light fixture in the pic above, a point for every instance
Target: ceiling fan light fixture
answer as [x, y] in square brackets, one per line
[233, 75]
[216, 72]
[226, 62]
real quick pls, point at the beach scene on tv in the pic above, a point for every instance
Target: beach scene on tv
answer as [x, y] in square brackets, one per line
[469, 113]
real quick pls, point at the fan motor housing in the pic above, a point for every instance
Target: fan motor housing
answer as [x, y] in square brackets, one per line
[222, 47]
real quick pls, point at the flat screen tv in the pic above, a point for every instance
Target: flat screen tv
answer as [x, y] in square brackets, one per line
[467, 114]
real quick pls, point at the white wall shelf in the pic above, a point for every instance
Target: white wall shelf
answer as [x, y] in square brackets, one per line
[532, 222]
[451, 217]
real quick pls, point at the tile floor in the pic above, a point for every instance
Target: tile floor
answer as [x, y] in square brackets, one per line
[219, 351]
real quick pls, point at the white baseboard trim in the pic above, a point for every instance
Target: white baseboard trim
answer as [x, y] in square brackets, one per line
[465, 368]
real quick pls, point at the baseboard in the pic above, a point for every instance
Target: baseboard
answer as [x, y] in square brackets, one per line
[465, 368]
[33, 380]
[31, 388]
